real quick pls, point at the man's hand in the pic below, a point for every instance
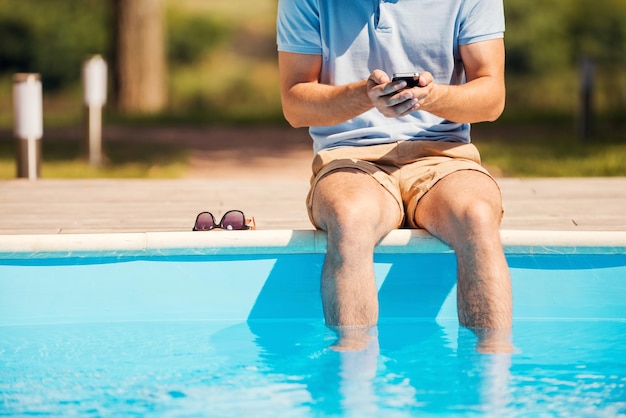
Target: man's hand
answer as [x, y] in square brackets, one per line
[392, 98]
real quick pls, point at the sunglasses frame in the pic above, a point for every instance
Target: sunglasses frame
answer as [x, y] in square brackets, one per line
[247, 223]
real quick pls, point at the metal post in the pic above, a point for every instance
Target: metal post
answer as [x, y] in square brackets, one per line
[95, 91]
[28, 123]
[585, 118]
[94, 135]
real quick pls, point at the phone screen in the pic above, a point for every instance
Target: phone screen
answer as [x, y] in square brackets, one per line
[412, 79]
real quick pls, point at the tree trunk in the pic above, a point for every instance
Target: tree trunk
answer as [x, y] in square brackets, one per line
[140, 62]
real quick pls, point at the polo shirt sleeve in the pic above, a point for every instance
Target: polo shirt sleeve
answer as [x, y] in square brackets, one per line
[298, 27]
[482, 20]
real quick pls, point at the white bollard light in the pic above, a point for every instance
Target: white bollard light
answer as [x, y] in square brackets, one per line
[95, 81]
[95, 95]
[28, 123]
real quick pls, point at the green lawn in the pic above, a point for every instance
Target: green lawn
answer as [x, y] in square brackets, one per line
[64, 159]
[541, 150]
[507, 149]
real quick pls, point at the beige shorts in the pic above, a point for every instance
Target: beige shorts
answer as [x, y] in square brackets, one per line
[406, 169]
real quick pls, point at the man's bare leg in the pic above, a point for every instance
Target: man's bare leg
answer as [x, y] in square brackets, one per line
[464, 210]
[356, 212]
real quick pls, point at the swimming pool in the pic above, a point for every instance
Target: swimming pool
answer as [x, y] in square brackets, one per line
[230, 324]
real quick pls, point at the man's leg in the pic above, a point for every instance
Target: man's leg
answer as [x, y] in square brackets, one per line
[356, 212]
[464, 210]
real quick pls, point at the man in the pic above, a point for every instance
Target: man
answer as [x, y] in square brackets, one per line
[388, 156]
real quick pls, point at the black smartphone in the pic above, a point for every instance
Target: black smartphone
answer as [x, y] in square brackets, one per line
[412, 79]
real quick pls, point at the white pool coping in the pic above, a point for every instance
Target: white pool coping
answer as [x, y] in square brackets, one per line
[268, 242]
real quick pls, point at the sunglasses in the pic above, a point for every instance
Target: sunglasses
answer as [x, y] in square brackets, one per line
[232, 220]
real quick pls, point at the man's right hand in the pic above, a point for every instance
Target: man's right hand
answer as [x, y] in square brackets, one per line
[390, 97]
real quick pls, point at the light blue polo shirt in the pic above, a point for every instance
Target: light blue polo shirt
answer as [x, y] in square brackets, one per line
[356, 37]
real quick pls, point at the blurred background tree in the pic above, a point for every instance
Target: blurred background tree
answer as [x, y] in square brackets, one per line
[221, 56]
[140, 68]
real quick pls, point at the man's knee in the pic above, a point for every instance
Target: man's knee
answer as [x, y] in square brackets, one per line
[481, 213]
[354, 204]
[352, 215]
[461, 204]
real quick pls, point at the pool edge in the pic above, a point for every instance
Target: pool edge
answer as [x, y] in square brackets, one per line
[288, 241]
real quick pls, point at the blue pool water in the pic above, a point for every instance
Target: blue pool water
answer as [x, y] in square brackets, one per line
[226, 336]
[277, 368]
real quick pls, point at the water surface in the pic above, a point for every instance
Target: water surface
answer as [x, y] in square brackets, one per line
[287, 369]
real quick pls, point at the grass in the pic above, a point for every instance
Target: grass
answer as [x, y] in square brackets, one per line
[562, 159]
[65, 160]
[508, 148]
[553, 150]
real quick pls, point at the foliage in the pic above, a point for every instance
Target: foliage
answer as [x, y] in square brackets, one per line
[51, 37]
[547, 43]
[223, 55]
[556, 35]
[190, 36]
[597, 30]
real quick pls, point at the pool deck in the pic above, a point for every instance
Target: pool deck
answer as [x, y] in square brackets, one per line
[263, 171]
[49, 206]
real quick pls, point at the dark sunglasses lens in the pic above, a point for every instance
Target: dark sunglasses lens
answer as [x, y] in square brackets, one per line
[233, 220]
[204, 222]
